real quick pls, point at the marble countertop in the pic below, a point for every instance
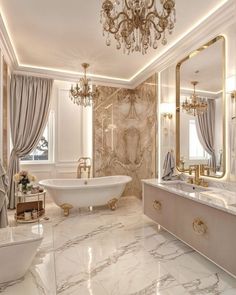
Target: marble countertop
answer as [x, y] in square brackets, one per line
[211, 196]
[18, 235]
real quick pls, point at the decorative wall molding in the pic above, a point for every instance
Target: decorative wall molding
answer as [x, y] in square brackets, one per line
[206, 29]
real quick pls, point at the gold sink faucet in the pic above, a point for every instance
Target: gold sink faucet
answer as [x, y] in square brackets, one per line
[197, 180]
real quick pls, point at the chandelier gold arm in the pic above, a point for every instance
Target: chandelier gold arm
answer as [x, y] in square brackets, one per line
[149, 6]
[118, 28]
[118, 15]
[155, 27]
[156, 14]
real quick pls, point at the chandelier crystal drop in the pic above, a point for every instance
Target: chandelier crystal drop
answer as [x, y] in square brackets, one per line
[194, 105]
[137, 24]
[82, 94]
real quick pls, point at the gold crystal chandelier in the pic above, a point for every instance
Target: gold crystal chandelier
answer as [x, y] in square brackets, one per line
[137, 24]
[83, 95]
[194, 105]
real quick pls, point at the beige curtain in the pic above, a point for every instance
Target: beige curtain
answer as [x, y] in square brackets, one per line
[29, 108]
[3, 197]
[206, 131]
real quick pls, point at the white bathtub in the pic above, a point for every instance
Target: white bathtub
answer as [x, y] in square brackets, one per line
[69, 193]
[18, 246]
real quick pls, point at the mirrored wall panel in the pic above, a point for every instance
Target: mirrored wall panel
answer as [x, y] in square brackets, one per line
[200, 110]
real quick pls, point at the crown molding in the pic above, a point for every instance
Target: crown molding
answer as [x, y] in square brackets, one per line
[6, 46]
[208, 28]
[71, 76]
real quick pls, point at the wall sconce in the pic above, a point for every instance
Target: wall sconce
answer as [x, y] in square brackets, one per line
[166, 109]
[231, 86]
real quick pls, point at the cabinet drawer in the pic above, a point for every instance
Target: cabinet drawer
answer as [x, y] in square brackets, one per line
[159, 205]
[208, 230]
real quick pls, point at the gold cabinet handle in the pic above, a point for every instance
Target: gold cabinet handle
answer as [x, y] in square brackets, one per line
[199, 226]
[156, 205]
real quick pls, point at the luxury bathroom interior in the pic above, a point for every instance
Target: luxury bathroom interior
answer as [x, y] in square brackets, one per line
[117, 147]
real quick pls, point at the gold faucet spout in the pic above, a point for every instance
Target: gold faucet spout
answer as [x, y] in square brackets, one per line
[197, 180]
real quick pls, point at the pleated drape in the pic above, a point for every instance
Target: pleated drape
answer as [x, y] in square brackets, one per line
[206, 131]
[29, 109]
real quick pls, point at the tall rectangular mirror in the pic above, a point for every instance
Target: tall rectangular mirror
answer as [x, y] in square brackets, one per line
[200, 109]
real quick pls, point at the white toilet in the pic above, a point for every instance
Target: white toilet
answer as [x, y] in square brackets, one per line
[18, 246]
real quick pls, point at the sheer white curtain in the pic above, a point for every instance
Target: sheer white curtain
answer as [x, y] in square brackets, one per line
[29, 109]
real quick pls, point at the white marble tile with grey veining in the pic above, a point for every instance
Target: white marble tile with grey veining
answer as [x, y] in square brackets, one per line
[101, 252]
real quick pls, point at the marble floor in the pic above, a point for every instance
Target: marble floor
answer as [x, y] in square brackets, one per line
[101, 252]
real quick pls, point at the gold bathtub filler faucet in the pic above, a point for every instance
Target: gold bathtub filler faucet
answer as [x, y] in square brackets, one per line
[196, 180]
[84, 166]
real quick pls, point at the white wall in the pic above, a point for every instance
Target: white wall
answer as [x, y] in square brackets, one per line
[72, 136]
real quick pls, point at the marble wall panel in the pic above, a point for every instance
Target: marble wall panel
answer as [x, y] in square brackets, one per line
[124, 123]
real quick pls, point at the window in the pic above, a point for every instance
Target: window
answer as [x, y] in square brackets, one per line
[44, 150]
[196, 150]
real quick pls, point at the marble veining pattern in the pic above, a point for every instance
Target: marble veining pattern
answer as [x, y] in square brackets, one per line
[116, 253]
[124, 133]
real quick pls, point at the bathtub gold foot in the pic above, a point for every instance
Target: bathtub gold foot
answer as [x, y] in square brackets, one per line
[66, 207]
[112, 204]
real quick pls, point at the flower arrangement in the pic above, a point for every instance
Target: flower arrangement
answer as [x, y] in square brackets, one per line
[24, 178]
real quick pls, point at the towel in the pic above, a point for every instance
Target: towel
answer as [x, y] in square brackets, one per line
[3, 197]
[168, 166]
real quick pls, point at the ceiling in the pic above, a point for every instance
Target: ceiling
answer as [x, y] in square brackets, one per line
[207, 67]
[62, 34]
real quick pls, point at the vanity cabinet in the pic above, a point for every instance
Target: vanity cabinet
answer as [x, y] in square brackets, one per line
[208, 230]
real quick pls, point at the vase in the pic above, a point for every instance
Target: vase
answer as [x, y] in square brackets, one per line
[24, 188]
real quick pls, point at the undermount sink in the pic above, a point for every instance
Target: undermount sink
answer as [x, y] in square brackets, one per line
[188, 188]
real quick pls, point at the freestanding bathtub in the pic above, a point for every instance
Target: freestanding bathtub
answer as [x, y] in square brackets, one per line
[69, 193]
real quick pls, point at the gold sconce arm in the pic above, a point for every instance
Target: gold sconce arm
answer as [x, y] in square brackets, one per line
[167, 115]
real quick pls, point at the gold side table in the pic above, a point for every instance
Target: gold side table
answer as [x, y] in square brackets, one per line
[28, 202]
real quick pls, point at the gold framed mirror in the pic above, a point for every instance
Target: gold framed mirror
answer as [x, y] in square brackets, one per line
[200, 110]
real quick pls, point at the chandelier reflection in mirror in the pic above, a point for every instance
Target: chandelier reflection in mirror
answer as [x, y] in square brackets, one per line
[194, 105]
[137, 24]
[83, 94]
